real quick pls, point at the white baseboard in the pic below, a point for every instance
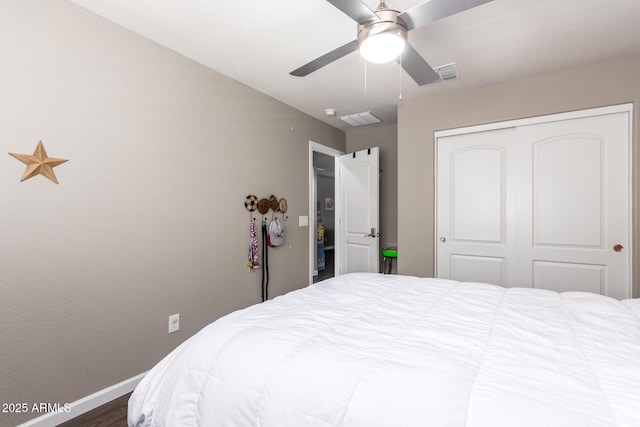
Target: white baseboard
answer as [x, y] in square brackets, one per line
[86, 404]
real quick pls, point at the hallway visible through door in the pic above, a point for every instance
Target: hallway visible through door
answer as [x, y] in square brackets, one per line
[324, 220]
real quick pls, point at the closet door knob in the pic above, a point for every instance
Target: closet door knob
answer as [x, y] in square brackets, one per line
[618, 248]
[443, 240]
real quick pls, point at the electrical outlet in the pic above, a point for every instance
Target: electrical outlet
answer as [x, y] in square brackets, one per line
[174, 323]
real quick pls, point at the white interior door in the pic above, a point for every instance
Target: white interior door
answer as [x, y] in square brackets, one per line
[573, 205]
[542, 205]
[359, 212]
[472, 207]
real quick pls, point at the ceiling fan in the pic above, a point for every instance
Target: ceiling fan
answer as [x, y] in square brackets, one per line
[389, 28]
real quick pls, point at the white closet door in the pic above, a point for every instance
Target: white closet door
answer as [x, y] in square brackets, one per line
[542, 205]
[474, 207]
[573, 205]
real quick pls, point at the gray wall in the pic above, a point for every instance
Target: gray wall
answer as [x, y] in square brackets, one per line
[148, 219]
[607, 83]
[384, 136]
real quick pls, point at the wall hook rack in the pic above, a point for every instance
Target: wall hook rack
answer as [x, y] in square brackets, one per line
[264, 205]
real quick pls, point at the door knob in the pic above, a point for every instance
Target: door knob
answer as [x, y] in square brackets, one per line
[618, 248]
[443, 240]
[373, 233]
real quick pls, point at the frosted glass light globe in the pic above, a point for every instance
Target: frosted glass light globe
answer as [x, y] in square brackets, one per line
[382, 48]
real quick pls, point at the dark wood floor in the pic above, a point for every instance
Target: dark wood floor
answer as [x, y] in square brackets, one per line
[112, 414]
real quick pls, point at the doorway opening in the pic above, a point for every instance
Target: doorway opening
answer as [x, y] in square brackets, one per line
[323, 212]
[324, 169]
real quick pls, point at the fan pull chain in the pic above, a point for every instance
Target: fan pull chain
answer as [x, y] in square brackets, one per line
[365, 77]
[400, 97]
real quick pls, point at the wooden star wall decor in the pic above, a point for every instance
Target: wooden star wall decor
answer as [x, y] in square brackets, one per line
[39, 164]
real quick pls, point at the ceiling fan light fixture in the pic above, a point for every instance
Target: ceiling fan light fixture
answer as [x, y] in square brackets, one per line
[382, 48]
[383, 40]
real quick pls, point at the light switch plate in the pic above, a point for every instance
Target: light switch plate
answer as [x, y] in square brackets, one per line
[303, 220]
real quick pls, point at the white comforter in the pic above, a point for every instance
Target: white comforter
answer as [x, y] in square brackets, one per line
[370, 350]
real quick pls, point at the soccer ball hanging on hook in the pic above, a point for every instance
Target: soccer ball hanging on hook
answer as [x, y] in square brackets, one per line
[251, 203]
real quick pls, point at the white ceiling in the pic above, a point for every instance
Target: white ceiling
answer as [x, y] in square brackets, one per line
[259, 42]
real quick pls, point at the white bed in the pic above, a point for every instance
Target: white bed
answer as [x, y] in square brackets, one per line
[366, 350]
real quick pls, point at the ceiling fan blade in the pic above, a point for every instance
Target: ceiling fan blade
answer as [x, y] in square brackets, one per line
[355, 9]
[325, 59]
[434, 10]
[417, 67]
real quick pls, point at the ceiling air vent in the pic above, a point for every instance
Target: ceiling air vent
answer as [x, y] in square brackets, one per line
[360, 119]
[447, 72]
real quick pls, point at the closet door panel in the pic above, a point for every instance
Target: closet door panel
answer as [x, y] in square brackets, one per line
[465, 268]
[568, 191]
[477, 185]
[474, 207]
[572, 202]
[562, 277]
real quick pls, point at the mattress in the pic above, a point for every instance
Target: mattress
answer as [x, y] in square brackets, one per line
[366, 350]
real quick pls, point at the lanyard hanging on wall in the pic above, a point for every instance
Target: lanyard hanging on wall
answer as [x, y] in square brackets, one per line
[251, 204]
[253, 246]
[265, 263]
